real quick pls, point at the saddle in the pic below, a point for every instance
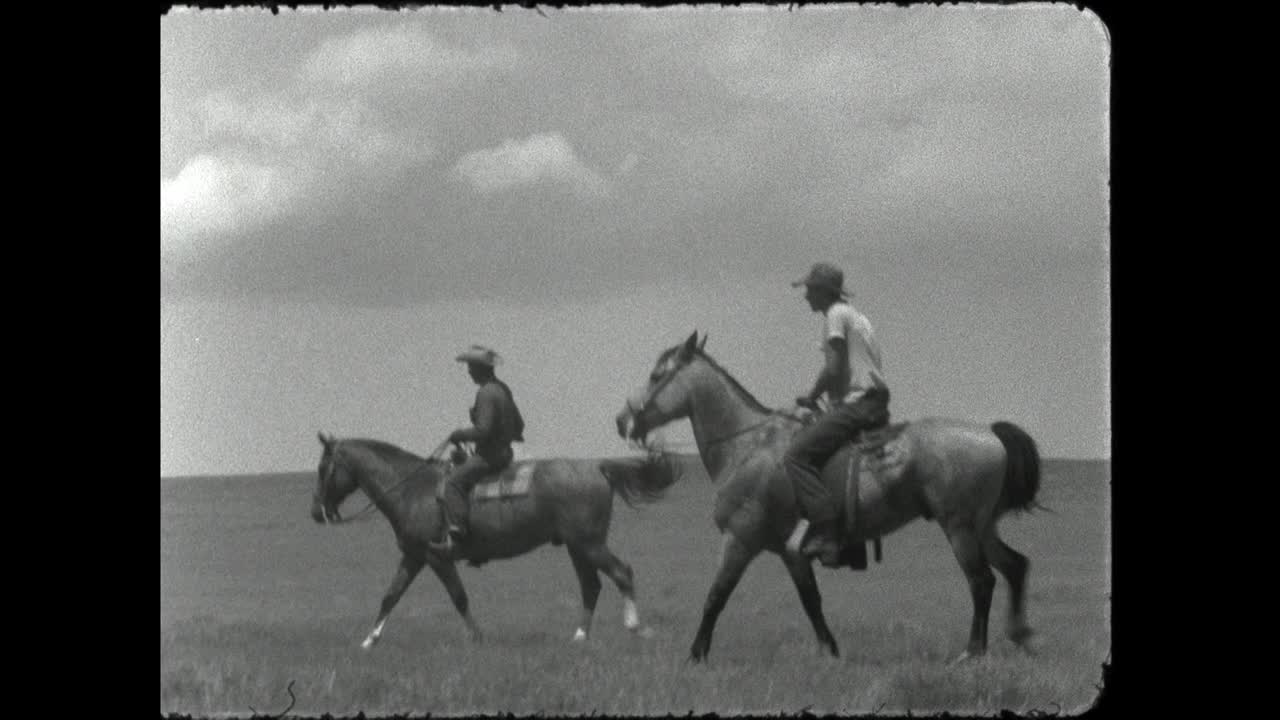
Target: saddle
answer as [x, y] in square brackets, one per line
[513, 481]
[853, 476]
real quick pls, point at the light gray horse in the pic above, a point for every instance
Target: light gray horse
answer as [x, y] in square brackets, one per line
[964, 475]
[561, 501]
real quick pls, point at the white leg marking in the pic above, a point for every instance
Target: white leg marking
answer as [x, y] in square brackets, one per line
[631, 616]
[797, 536]
[373, 636]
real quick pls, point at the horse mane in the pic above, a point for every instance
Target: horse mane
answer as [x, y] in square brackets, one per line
[385, 450]
[401, 463]
[745, 393]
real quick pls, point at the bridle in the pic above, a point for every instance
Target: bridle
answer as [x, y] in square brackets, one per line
[666, 380]
[328, 479]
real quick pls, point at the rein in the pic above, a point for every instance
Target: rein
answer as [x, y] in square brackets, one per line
[328, 478]
[747, 429]
[648, 400]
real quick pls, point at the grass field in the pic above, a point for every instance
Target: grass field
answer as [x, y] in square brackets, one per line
[254, 596]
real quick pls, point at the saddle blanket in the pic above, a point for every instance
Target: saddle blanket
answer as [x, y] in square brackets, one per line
[507, 484]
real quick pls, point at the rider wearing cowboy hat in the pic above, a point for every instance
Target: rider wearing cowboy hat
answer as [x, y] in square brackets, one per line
[496, 423]
[858, 398]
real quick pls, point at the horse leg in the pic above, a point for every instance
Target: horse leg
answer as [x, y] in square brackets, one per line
[448, 575]
[807, 585]
[620, 573]
[1014, 566]
[405, 574]
[734, 558]
[968, 550]
[589, 581]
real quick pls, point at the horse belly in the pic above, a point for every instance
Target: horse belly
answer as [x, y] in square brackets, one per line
[507, 528]
[882, 508]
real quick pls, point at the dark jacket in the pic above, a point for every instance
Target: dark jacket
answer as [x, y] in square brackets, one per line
[496, 420]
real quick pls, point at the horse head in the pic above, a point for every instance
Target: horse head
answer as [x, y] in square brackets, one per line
[334, 481]
[664, 398]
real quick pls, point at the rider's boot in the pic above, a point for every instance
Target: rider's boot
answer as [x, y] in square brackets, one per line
[454, 533]
[826, 542]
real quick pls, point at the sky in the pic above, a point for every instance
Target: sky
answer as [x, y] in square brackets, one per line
[350, 198]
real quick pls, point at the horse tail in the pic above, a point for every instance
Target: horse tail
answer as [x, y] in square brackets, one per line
[1022, 467]
[641, 479]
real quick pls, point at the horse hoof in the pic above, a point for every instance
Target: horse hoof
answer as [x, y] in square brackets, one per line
[368, 643]
[965, 657]
[643, 632]
[1020, 635]
[579, 635]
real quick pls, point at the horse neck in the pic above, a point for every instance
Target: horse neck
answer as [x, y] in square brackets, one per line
[376, 476]
[717, 411]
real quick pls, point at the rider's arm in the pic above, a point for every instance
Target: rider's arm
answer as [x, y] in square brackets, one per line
[486, 418]
[834, 354]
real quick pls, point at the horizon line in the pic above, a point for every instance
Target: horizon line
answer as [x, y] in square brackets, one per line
[207, 476]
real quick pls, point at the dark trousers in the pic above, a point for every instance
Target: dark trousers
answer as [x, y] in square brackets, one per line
[463, 479]
[814, 445]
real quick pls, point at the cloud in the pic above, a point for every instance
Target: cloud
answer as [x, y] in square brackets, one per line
[910, 60]
[827, 137]
[928, 120]
[213, 198]
[311, 131]
[271, 157]
[539, 158]
[402, 52]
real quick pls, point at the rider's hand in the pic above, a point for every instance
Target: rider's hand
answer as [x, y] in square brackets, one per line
[456, 436]
[805, 401]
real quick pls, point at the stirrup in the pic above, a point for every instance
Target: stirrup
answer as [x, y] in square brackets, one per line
[442, 546]
[830, 552]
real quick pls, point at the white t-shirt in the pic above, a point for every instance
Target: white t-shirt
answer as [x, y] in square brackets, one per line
[863, 370]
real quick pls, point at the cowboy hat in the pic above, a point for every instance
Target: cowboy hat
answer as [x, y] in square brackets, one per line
[479, 354]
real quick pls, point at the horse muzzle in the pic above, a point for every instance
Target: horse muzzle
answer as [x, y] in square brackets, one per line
[638, 431]
[630, 427]
[623, 421]
[323, 514]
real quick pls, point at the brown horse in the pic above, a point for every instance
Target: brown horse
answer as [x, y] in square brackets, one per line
[561, 501]
[964, 475]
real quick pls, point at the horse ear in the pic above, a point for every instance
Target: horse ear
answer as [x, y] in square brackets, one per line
[702, 343]
[690, 345]
[325, 441]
